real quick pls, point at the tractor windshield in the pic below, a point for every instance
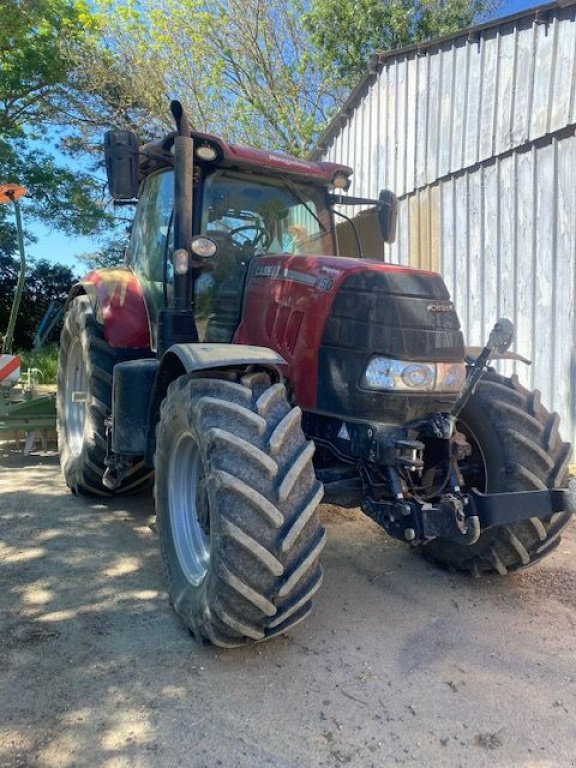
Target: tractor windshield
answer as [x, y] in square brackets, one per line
[267, 215]
[249, 216]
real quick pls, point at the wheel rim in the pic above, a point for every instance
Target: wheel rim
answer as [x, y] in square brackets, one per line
[76, 388]
[189, 509]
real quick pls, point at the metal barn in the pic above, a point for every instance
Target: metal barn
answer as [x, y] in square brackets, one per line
[476, 134]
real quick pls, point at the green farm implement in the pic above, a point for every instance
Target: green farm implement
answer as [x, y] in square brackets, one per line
[23, 407]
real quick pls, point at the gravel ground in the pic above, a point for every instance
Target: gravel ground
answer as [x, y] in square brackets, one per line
[400, 664]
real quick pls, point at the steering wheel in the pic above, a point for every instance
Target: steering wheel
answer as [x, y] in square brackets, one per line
[261, 236]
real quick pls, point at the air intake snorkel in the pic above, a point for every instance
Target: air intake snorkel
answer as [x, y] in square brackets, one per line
[176, 324]
[183, 191]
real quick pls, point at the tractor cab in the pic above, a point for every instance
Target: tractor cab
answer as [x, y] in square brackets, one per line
[242, 217]
[241, 204]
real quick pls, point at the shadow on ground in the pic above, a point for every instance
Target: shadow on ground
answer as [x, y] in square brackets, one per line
[399, 663]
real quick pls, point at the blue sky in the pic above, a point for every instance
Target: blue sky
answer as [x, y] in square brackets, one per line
[63, 249]
[518, 5]
[59, 248]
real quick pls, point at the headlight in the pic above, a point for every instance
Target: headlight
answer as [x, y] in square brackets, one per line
[400, 375]
[341, 180]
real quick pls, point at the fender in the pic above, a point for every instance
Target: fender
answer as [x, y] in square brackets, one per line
[181, 359]
[119, 306]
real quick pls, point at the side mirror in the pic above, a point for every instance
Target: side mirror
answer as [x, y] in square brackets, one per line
[121, 153]
[387, 215]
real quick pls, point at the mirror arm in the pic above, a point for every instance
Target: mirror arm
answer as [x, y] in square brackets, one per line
[346, 200]
[166, 159]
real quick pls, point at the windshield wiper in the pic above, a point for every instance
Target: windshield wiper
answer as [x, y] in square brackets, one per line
[294, 190]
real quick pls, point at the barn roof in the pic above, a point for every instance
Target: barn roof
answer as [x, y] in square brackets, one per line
[540, 15]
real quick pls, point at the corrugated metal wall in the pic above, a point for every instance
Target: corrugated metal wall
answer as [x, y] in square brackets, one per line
[476, 136]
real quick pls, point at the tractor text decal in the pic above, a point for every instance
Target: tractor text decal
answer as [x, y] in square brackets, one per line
[277, 272]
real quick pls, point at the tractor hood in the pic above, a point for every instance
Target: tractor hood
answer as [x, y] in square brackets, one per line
[330, 316]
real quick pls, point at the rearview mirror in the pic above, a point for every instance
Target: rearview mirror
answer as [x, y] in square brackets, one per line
[121, 153]
[387, 214]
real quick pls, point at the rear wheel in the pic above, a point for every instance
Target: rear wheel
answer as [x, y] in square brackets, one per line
[84, 401]
[236, 499]
[515, 447]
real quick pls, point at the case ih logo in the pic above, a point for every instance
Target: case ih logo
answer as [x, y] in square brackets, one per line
[440, 308]
[278, 272]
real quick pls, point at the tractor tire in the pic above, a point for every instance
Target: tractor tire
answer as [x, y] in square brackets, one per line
[515, 447]
[236, 503]
[85, 366]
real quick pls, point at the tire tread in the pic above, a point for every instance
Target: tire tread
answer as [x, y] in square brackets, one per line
[534, 458]
[83, 473]
[266, 535]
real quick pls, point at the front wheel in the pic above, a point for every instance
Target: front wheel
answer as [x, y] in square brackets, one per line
[515, 447]
[236, 501]
[84, 401]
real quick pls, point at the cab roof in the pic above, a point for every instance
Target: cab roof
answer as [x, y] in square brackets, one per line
[159, 154]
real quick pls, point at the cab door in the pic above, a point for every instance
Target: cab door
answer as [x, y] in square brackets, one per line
[152, 243]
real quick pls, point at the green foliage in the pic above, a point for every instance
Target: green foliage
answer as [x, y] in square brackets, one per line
[35, 96]
[44, 282]
[45, 359]
[61, 198]
[33, 65]
[346, 32]
[241, 67]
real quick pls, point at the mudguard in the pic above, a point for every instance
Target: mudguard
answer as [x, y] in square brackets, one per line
[200, 357]
[119, 306]
[181, 359]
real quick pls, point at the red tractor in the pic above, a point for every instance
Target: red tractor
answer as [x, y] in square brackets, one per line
[250, 370]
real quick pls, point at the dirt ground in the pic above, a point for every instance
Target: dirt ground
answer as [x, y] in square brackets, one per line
[400, 664]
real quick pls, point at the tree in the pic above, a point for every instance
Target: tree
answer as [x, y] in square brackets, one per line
[241, 67]
[34, 66]
[346, 32]
[64, 199]
[45, 282]
[266, 72]
[35, 78]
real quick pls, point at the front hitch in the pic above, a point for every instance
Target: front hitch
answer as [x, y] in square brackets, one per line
[451, 518]
[393, 501]
[462, 517]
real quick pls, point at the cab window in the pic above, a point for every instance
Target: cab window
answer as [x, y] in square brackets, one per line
[265, 215]
[152, 228]
[152, 241]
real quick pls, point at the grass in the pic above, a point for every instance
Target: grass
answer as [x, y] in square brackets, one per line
[46, 359]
